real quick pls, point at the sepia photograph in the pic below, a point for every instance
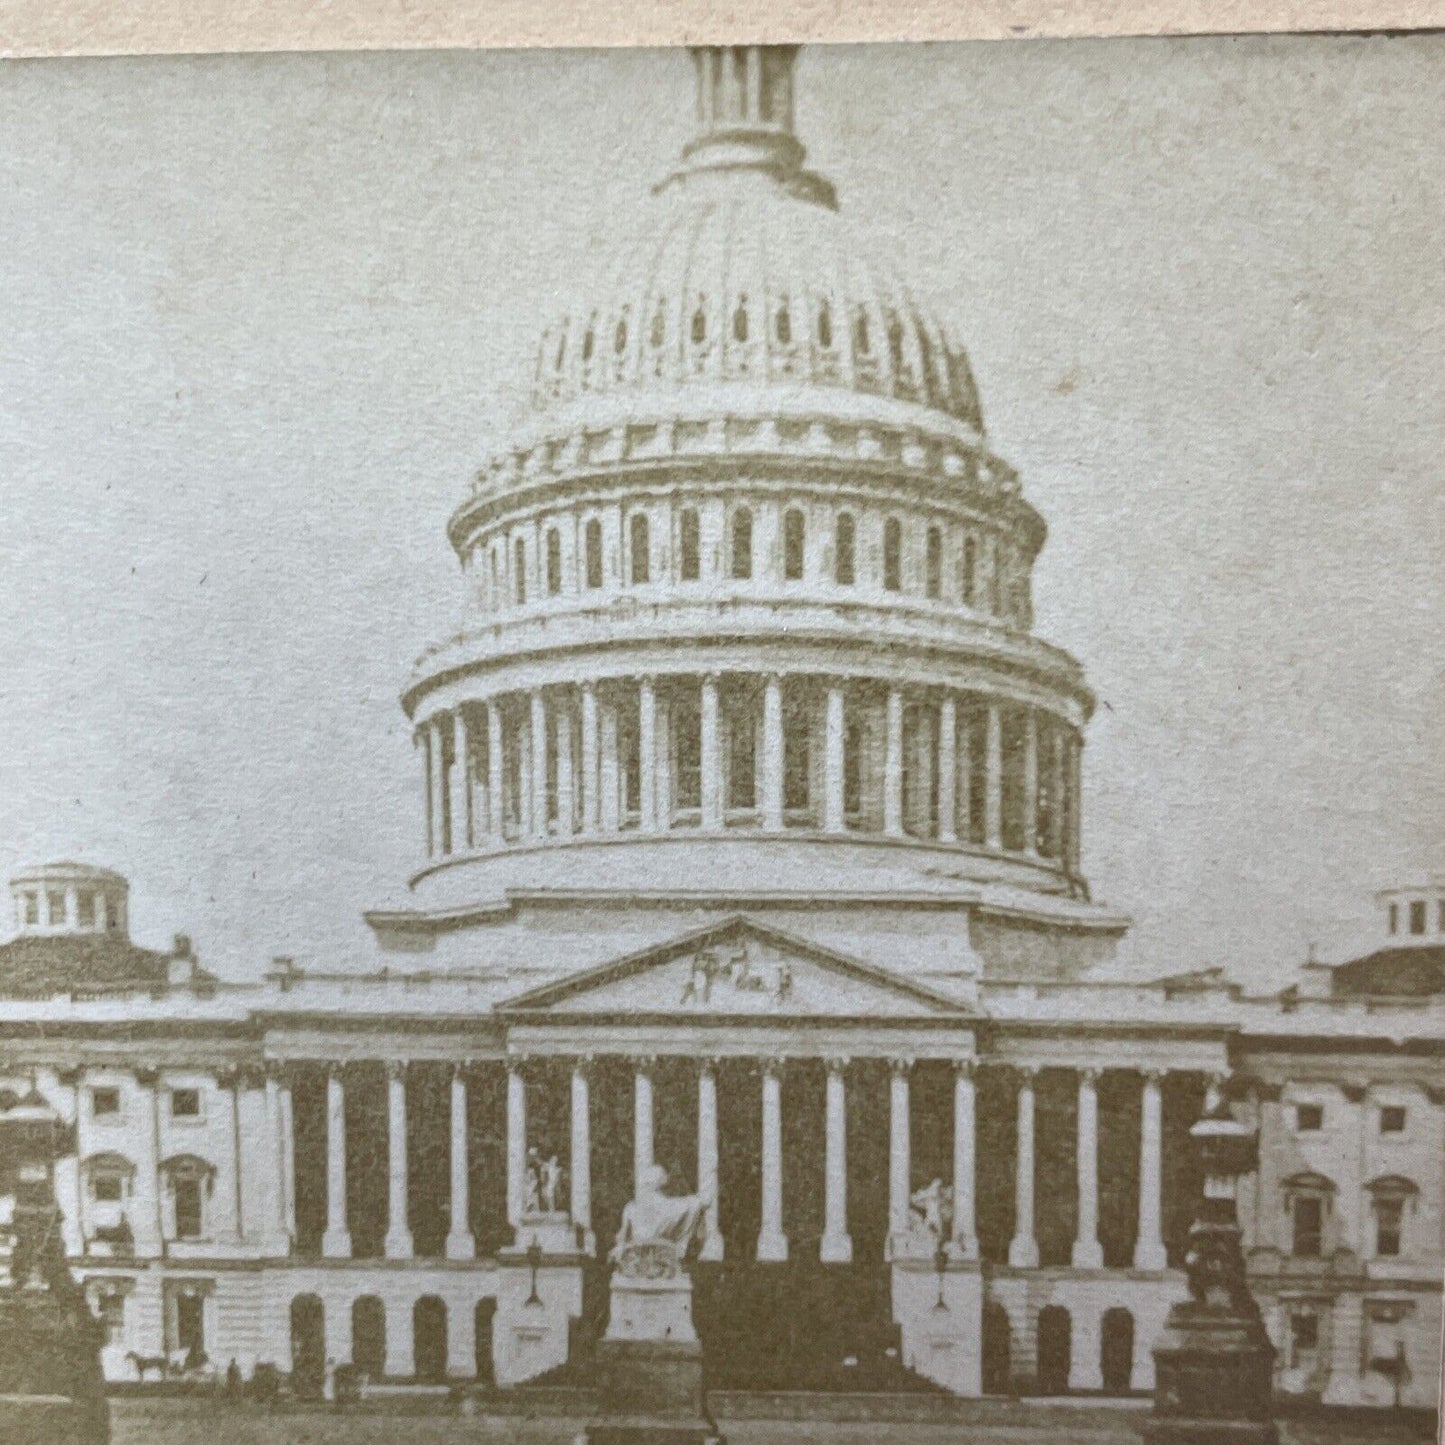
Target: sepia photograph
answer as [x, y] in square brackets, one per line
[739, 743]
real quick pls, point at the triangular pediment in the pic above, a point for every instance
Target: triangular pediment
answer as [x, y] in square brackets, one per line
[737, 969]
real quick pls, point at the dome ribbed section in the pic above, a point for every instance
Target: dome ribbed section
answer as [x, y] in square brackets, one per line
[749, 274]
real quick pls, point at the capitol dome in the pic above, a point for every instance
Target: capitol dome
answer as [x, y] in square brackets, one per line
[750, 598]
[750, 275]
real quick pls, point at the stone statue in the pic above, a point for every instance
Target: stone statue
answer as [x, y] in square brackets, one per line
[657, 1228]
[532, 1202]
[550, 1172]
[932, 1210]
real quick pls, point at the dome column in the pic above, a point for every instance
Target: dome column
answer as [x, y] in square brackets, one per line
[993, 779]
[538, 735]
[893, 766]
[494, 772]
[590, 812]
[834, 742]
[607, 768]
[1088, 1253]
[947, 770]
[900, 1158]
[836, 1246]
[460, 782]
[1031, 781]
[710, 756]
[773, 754]
[965, 1124]
[566, 778]
[436, 778]
[707, 1159]
[772, 1241]
[647, 753]
[1023, 1250]
[336, 1242]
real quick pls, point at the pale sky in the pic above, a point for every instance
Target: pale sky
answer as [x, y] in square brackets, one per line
[260, 317]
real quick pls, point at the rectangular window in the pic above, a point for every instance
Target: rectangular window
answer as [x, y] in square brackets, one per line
[554, 563]
[593, 550]
[797, 758]
[1440, 920]
[55, 906]
[844, 569]
[1417, 916]
[185, 1103]
[1304, 1338]
[106, 1189]
[104, 1103]
[853, 772]
[933, 563]
[893, 554]
[1389, 1225]
[1309, 1117]
[1309, 1226]
[1394, 918]
[188, 1208]
[520, 571]
[970, 572]
[689, 566]
[1392, 1119]
[85, 909]
[687, 754]
[793, 546]
[32, 909]
[637, 546]
[742, 758]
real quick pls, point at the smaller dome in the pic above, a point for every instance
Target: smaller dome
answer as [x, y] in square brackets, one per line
[748, 274]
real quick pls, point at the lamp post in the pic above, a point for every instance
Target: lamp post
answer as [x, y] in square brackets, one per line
[1214, 1362]
[51, 1386]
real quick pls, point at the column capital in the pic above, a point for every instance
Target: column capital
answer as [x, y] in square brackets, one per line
[771, 1065]
[335, 1069]
[708, 1064]
[246, 1075]
[281, 1070]
[584, 1065]
[1026, 1075]
[1153, 1075]
[900, 1065]
[396, 1069]
[1089, 1074]
[642, 1063]
[965, 1068]
[838, 1063]
[460, 1069]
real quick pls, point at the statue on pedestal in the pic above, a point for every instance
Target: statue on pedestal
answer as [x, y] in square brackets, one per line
[649, 1361]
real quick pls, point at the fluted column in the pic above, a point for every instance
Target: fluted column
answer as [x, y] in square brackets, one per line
[610, 803]
[516, 1143]
[461, 789]
[591, 816]
[707, 1159]
[442, 843]
[965, 1155]
[772, 1241]
[1023, 1250]
[1149, 1247]
[642, 1123]
[647, 754]
[773, 754]
[566, 780]
[1058, 782]
[1088, 1252]
[712, 803]
[461, 1244]
[398, 1244]
[539, 764]
[834, 741]
[893, 766]
[581, 1156]
[496, 760]
[900, 1155]
[947, 770]
[273, 1178]
[993, 778]
[287, 1107]
[336, 1242]
[1031, 780]
[837, 1245]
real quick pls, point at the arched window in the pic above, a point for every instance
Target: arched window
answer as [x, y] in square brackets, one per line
[368, 1336]
[1116, 1350]
[1391, 1197]
[188, 1180]
[519, 573]
[740, 320]
[825, 326]
[554, 562]
[933, 563]
[592, 546]
[699, 325]
[784, 325]
[844, 540]
[308, 1345]
[793, 545]
[588, 344]
[742, 545]
[995, 579]
[893, 554]
[429, 1338]
[1053, 1350]
[970, 571]
[619, 336]
[637, 546]
[659, 327]
[860, 332]
[689, 553]
[1308, 1199]
[496, 578]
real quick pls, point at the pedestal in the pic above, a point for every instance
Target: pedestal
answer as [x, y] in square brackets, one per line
[1213, 1379]
[649, 1367]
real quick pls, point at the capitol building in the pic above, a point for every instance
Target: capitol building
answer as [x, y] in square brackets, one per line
[747, 823]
